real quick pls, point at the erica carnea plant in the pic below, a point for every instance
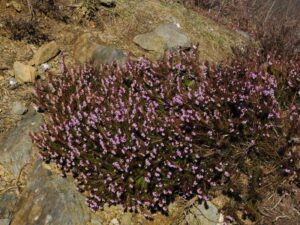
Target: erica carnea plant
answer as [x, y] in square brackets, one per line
[141, 134]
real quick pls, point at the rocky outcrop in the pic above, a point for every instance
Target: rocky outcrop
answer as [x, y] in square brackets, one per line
[8, 202]
[51, 200]
[15, 154]
[16, 145]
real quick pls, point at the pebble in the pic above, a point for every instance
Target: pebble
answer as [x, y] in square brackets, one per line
[15, 5]
[24, 73]
[45, 53]
[108, 3]
[18, 108]
[45, 66]
[13, 83]
[114, 221]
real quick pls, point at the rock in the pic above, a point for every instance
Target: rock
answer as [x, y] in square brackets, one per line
[85, 50]
[16, 145]
[126, 219]
[108, 3]
[200, 214]
[5, 221]
[12, 83]
[18, 108]
[24, 73]
[15, 5]
[173, 36]
[8, 202]
[51, 200]
[114, 221]
[151, 42]
[103, 55]
[164, 37]
[45, 66]
[244, 34]
[45, 53]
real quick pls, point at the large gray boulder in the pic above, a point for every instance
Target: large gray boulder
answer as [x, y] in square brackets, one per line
[165, 37]
[85, 50]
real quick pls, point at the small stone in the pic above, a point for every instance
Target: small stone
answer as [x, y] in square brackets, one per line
[45, 53]
[18, 108]
[114, 221]
[45, 66]
[108, 3]
[24, 73]
[12, 82]
[15, 5]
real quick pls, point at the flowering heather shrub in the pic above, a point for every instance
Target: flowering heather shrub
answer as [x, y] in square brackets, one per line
[141, 134]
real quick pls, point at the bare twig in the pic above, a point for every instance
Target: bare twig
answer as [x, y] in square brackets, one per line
[281, 217]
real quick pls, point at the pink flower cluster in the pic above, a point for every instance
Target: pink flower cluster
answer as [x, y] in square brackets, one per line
[141, 134]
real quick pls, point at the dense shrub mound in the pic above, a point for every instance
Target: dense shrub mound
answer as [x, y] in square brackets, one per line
[141, 134]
